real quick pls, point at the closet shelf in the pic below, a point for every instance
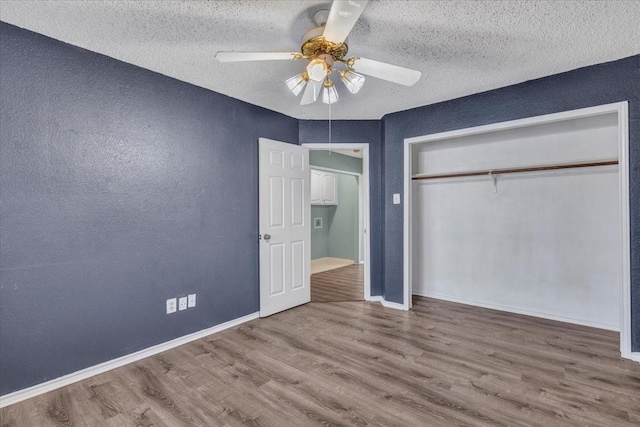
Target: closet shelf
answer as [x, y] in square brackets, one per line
[490, 172]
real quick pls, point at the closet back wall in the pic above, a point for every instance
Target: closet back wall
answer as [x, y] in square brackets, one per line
[120, 188]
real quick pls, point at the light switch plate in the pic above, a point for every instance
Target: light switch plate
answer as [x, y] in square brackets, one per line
[192, 300]
[396, 198]
[182, 303]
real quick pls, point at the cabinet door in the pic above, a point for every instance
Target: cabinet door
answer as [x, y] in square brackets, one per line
[316, 188]
[330, 187]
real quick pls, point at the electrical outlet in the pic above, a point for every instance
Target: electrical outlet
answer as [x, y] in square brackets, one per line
[171, 305]
[396, 198]
[192, 300]
[182, 303]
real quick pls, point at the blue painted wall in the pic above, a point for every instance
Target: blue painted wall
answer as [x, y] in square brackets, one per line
[358, 131]
[585, 87]
[120, 188]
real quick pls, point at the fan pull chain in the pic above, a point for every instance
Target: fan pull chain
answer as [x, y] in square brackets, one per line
[329, 128]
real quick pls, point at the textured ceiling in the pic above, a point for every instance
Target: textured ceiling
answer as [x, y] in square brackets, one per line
[461, 47]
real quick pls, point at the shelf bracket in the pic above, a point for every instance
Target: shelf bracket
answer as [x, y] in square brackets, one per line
[494, 178]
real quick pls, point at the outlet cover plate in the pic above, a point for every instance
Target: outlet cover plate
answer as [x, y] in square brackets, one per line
[192, 300]
[182, 303]
[171, 305]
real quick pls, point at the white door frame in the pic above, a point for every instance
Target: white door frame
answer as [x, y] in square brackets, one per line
[365, 179]
[621, 109]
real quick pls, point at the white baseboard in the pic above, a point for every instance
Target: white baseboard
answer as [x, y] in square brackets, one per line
[517, 310]
[388, 304]
[27, 393]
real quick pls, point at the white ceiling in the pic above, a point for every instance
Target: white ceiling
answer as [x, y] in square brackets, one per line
[461, 47]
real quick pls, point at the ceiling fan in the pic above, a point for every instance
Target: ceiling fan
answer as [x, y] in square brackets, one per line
[325, 47]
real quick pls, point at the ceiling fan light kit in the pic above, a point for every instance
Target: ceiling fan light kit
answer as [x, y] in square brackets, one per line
[318, 69]
[326, 46]
[352, 80]
[297, 83]
[329, 92]
[311, 92]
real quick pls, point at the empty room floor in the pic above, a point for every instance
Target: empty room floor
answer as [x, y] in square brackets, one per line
[357, 363]
[340, 284]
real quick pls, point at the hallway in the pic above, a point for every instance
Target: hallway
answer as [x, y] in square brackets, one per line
[340, 284]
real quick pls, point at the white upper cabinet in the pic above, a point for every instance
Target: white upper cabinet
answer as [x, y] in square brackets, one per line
[316, 187]
[330, 188]
[324, 188]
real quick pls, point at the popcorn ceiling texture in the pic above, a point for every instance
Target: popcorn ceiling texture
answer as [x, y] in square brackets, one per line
[461, 47]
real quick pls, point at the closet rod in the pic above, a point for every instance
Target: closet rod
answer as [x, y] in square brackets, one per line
[521, 169]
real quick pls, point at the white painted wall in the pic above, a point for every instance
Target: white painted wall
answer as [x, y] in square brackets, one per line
[546, 244]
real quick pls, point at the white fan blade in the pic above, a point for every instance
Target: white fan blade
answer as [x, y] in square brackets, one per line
[255, 56]
[311, 92]
[342, 18]
[384, 71]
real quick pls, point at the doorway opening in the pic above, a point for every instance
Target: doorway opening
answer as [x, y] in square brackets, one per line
[339, 215]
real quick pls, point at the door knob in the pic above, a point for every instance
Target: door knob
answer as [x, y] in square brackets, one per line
[267, 237]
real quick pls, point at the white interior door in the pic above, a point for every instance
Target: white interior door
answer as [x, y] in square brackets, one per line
[284, 226]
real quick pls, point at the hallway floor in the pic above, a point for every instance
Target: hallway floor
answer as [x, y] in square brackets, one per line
[340, 284]
[325, 264]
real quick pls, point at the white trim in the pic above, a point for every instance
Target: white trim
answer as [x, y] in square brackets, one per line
[635, 356]
[388, 304]
[621, 109]
[322, 168]
[406, 228]
[625, 231]
[367, 201]
[616, 107]
[27, 393]
[516, 310]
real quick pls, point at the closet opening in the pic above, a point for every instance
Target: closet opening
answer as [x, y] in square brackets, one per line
[529, 216]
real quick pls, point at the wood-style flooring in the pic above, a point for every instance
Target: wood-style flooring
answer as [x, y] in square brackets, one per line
[340, 284]
[359, 364]
[324, 264]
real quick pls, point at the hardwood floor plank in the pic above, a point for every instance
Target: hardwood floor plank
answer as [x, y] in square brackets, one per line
[105, 397]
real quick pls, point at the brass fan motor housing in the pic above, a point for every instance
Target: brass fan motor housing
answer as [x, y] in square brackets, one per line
[319, 45]
[314, 45]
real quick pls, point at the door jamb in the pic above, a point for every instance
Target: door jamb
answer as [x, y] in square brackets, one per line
[367, 205]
